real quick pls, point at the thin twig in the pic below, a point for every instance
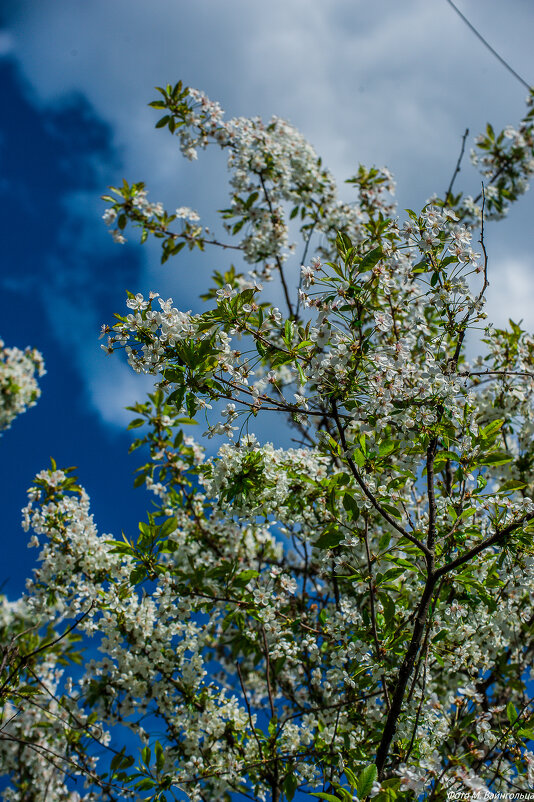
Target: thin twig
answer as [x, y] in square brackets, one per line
[355, 472]
[80, 724]
[24, 659]
[277, 258]
[268, 671]
[303, 263]
[45, 751]
[420, 705]
[483, 246]
[252, 727]
[373, 611]
[458, 166]
[430, 456]
[524, 373]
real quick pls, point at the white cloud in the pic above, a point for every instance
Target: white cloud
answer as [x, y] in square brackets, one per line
[113, 386]
[6, 44]
[511, 292]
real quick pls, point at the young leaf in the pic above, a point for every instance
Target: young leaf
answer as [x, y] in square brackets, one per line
[365, 781]
[511, 712]
[290, 786]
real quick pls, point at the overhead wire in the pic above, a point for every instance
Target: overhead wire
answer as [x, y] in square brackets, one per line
[489, 47]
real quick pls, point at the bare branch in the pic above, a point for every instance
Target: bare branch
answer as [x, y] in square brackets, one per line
[458, 166]
[277, 258]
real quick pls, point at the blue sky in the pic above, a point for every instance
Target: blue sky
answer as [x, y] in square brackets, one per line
[387, 83]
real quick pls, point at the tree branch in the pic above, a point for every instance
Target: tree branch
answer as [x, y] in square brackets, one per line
[403, 676]
[494, 540]
[373, 611]
[355, 472]
[277, 258]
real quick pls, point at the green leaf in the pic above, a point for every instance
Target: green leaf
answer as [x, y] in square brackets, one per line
[351, 777]
[370, 260]
[343, 243]
[139, 480]
[383, 543]
[511, 712]
[177, 248]
[145, 785]
[443, 456]
[302, 376]
[290, 786]
[160, 756]
[467, 513]
[491, 428]
[329, 540]
[121, 760]
[120, 548]
[245, 576]
[393, 511]
[420, 267]
[494, 458]
[365, 781]
[168, 527]
[146, 755]
[163, 121]
[481, 482]
[136, 423]
[358, 458]
[388, 794]
[402, 562]
[335, 447]
[351, 506]
[323, 795]
[389, 608]
[177, 397]
[386, 448]
[288, 331]
[510, 486]
[137, 575]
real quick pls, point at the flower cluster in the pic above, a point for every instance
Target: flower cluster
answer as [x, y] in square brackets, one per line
[18, 381]
[45, 732]
[505, 160]
[272, 167]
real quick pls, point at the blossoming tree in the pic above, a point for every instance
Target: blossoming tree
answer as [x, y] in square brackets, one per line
[347, 617]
